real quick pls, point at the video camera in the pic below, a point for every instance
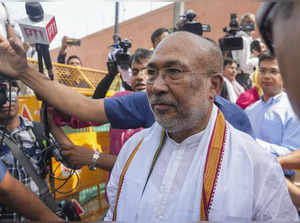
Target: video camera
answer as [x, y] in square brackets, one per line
[231, 41]
[122, 56]
[188, 24]
[7, 92]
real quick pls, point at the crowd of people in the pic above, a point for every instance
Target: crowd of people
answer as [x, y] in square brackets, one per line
[196, 133]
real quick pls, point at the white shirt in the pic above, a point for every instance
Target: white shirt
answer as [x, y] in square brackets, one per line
[250, 185]
[243, 56]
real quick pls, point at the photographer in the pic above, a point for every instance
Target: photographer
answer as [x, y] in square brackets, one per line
[72, 60]
[119, 61]
[20, 130]
[243, 56]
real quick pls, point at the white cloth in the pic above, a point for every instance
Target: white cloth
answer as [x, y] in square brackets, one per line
[233, 96]
[275, 124]
[250, 185]
[243, 56]
[126, 74]
[253, 64]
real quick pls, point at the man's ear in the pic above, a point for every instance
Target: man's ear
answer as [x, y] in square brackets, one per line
[216, 84]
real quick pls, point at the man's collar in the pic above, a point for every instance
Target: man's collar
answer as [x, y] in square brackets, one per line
[273, 99]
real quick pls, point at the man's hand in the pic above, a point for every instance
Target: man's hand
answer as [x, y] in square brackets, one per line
[76, 156]
[13, 59]
[64, 45]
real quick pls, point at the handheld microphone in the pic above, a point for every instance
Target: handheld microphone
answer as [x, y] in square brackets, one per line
[37, 27]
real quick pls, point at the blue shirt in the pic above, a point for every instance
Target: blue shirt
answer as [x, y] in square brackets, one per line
[3, 171]
[133, 111]
[275, 125]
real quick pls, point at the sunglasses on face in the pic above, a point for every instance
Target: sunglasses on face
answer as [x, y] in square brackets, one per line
[265, 18]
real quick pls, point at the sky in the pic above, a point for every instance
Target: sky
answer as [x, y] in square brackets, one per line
[79, 18]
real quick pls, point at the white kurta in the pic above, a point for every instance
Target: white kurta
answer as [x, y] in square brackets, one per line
[250, 186]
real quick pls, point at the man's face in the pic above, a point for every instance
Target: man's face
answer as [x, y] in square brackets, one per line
[286, 33]
[230, 71]
[139, 75]
[269, 78]
[160, 38]
[179, 95]
[9, 110]
[249, 21]
[75, 62]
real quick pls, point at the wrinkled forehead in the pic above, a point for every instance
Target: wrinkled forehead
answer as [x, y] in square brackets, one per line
[177, 50]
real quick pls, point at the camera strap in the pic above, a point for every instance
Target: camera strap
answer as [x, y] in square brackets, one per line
[45, 195]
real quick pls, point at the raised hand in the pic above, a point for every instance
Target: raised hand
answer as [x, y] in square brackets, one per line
[13, 61]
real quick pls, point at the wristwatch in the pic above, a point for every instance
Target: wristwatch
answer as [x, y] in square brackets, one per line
[96, 156]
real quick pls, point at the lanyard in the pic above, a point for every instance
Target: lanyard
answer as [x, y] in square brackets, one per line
[158, 150]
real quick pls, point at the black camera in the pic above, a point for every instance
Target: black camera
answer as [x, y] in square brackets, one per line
[6, 93]
[123, 57]
[189, 24]
[231, 41]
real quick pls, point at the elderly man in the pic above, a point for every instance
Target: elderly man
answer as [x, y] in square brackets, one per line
[174, 159]
[191, 158]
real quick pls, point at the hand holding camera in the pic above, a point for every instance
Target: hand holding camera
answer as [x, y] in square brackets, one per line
[67, 41]
[119, 57]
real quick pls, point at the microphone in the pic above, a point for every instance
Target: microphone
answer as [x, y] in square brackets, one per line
[37, 27]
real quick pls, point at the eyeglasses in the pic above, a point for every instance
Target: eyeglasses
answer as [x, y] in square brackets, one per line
[264, 18]
[171, 74]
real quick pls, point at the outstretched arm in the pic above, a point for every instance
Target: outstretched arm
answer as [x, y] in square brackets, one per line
[78, 156]
[18, 197]
[61, 58]
[13, 63]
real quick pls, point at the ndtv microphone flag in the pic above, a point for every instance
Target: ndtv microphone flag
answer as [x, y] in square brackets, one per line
[39, 32]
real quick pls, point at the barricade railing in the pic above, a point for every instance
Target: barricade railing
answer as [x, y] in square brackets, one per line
[83, 79]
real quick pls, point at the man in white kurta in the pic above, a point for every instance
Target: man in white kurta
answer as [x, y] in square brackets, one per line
[250, 186]
[181, 87]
